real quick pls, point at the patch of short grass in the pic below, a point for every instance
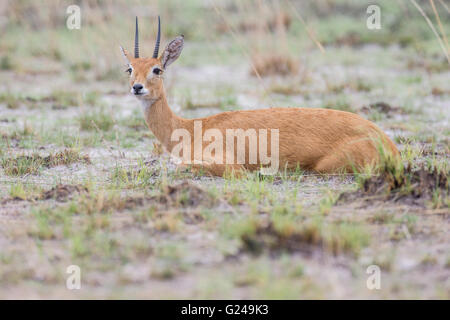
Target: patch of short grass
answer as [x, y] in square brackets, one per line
[288, 89]
[103, 201]
[24, 191]
[327, 202]
[169, 261]
[12, 101]
[7, 63]
[98, 119]
[224, 99]
[136, 177]
[340, 102]
[135, 121]
[49, 223]
[62, 99]
[394, 180]
[32, 164]
[22, 165]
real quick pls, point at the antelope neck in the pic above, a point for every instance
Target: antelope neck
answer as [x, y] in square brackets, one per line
[161, 120]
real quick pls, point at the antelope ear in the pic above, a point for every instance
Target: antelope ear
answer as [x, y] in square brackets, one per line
[172, 51]
[125, 55]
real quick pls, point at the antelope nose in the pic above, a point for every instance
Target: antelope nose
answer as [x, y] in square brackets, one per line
[137, 87]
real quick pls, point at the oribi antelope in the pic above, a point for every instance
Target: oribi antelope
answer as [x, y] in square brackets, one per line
[320, 140]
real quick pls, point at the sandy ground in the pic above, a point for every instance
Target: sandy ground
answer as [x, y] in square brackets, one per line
[150, 248]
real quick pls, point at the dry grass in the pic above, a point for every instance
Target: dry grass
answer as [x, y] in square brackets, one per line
[270, 23]
[274, 65]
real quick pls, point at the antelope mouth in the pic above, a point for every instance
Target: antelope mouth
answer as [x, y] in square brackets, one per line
[139, 93]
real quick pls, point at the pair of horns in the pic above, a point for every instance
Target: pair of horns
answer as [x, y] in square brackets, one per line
[136, 40]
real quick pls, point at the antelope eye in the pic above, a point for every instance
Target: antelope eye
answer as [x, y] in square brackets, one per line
[157, 71]
[129, 70]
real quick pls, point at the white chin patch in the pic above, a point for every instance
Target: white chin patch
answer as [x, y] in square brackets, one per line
[143, 92]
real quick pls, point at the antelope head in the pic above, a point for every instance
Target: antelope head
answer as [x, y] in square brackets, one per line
[146, 74]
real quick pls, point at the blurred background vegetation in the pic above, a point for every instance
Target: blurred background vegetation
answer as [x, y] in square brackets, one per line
[35, 39]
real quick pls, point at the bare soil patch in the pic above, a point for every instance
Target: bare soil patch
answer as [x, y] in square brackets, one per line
[383, 108]
[413, 186]
[185, 194]
[307, 239]
[63, 192]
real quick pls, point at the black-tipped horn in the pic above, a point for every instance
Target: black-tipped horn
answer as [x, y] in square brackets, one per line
[158, 39]
[136, 40]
